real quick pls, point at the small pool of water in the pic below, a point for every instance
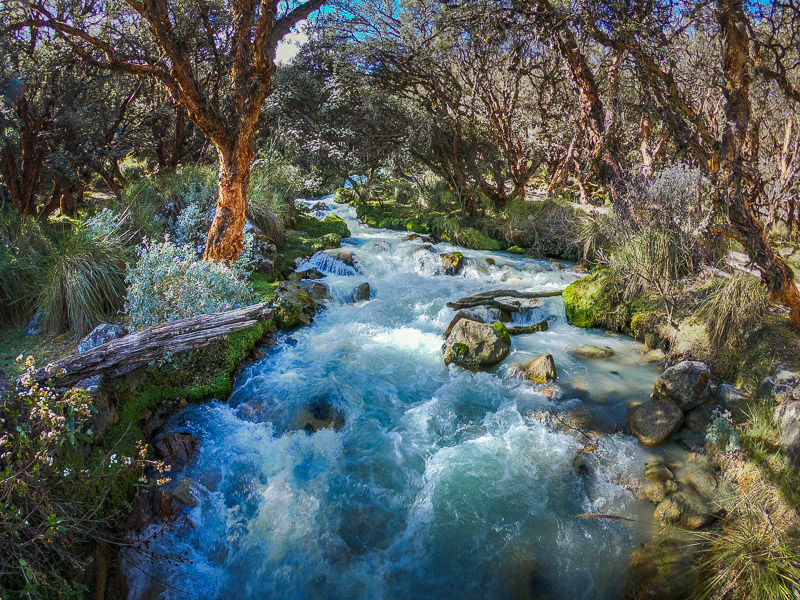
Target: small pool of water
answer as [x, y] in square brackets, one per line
[441, 483]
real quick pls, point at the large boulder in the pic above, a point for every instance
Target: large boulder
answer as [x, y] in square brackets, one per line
[787, 418]
[541, 369]
[687, 383]
[474, 345]
[294, 306]
[655, 422]
[100, 335]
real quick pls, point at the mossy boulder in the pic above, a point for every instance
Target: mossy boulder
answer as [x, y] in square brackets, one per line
[476, 346]
[583, 301]
[516, 250]
[294, 306]
[317, 228]
[417, 227]
[332, 240]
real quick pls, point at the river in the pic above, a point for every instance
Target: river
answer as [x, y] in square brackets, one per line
[441, 483]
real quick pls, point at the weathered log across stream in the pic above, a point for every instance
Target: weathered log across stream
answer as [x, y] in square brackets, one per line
[490, 298]
[152, 344]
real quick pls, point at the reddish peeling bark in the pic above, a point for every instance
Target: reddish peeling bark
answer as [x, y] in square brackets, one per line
[738, 150]
[225, 238]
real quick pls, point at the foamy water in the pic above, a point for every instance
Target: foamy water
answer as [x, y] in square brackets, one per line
[440, 484]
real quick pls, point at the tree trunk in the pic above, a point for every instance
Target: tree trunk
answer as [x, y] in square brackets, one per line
[738, 147]
[225, 238]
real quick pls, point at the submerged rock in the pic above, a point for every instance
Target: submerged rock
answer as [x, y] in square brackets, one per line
[475, 345]
[294, 306]
[100, 335]
[360, 293]
[656, 421]
[541, 369]
[670, 510]
[591, 352]
[452, 262]
[687, 383]
[319, 414]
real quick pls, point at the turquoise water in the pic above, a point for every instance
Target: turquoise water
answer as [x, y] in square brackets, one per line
[440, 484]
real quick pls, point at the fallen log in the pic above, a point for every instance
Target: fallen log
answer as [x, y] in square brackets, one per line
[487, 298]
[152, 344]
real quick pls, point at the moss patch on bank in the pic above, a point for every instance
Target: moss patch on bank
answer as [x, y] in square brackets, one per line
[597, 301]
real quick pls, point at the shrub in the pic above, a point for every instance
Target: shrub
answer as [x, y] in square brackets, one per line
[721, 432]
[164, 284]
[733, 307]
[55, 502]
[84, 283]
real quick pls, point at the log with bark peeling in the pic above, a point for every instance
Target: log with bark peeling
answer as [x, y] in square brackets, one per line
[152, 344]
[489, 298]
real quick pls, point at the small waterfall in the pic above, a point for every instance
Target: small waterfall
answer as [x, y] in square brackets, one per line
[327, 264]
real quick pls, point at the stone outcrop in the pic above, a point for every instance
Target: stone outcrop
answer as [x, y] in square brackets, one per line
[294, 306]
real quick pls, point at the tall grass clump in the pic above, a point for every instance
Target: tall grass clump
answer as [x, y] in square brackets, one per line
[23, 256]
[650, 261]
[84, 283]
[750, 558]
[550, 227]
[274, 186]
[734, 306]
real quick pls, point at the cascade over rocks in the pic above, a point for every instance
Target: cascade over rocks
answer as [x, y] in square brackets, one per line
[477, 346]
[687, 383]
[656, 421]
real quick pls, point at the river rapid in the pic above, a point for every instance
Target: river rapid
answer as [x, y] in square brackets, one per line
[441, 483]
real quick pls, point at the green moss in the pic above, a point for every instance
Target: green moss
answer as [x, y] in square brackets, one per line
[516, 250]
[503, 332]
[581, 301]
[198, 375]
[460, 349]
[317, 228]
[418, 227]
[266, 286]
[344, 195]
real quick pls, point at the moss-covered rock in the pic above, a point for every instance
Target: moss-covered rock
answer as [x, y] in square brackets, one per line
[476, 346]
[294, 306]
[662, 570]
[501, 329]
[318, 228]
[516, 250]
[331, 240]
[452, 262]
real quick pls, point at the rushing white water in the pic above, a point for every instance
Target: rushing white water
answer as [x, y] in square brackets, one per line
[440, 484]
